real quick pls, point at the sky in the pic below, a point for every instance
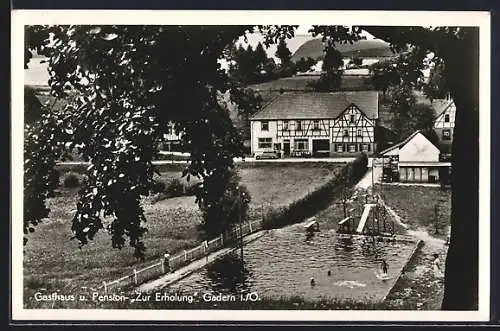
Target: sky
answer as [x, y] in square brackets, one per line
[301, 36]
[38, 75]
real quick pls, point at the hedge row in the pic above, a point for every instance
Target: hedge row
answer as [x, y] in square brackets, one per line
[319, 199]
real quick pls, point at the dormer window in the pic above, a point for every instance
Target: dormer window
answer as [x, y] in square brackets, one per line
[352, 119]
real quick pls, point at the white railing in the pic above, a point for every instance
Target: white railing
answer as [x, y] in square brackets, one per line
[181, 259]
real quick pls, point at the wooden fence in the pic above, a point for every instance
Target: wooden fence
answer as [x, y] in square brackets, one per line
[181, 259]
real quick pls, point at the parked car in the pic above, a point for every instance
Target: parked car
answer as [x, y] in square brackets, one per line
[301, 153]
[267, 155]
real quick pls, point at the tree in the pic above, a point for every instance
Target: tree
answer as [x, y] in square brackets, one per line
[304, 65]
[283, 53]
[410, 116]
[384, 74]
[357, 61]
[462, 74]
[422, 118]
[260, 58]
[331, 77]
[402, 102]
[249, 103]
[129, 85]
[436, 87]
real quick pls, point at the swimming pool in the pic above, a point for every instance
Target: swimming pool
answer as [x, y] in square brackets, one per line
[281, 264]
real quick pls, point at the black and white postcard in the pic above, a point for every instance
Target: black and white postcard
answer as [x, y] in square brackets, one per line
[258, 165]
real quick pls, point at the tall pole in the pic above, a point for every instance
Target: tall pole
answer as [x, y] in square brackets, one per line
[241, 229]
[373, 168]
[436, 218]
[344, 203]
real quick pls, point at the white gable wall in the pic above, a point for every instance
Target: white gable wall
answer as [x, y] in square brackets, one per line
[256, 133]
[419, 149]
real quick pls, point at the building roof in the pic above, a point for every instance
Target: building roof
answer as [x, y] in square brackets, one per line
[442, 106]
[401, 143]
[424, 164]
[307, 105]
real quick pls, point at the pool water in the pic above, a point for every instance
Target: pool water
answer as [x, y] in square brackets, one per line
[281, 264]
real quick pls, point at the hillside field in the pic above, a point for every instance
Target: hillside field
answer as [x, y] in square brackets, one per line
[53, 262]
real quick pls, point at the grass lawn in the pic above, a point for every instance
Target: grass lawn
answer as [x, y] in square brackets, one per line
[53, 262]
[416, 206]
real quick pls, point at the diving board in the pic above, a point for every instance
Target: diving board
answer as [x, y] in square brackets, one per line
[364, 217]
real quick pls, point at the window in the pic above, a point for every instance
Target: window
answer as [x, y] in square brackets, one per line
[299, 126]
[360, 134]
[352, 119]
[352, 148]
[285, 125]
[340, 148]
[365, 147]
[301, 144]
[316, 125]
[446, 135]
[447, 118]
[264, 126]
[346, 133]
[265, 143]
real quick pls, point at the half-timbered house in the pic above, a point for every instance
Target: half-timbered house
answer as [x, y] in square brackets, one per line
[310, 123]
[444, 125]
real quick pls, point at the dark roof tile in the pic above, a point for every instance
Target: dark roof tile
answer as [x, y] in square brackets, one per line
[305, 105]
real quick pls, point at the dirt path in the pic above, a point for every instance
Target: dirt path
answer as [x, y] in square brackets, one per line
[419, 288]
[367, 179]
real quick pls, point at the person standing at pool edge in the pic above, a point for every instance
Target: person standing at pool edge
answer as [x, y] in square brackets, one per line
[436, 266]
[384, 267]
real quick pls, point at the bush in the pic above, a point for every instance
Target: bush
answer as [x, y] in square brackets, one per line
[358, 167]
[190, 189]
[219, 214]
[158, 187]
[71, 180]
[319, 199]
[175, 188]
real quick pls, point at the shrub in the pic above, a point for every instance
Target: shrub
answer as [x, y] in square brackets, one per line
[158, 187]
[220, 214]
[190, 189]
[175, 188]
[319, 199]
[71, 180]
[358, 167]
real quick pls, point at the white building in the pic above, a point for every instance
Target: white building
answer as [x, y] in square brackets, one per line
[417, 160]
[309, 123]
[444, 125]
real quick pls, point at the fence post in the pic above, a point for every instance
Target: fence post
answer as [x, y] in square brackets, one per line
[185, 255]
[162, 262]
[105, 287]
[250, 226]
[222, 239]
[135, 276]
[165, 266]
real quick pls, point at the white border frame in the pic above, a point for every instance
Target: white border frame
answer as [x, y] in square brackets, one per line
[168, 17]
